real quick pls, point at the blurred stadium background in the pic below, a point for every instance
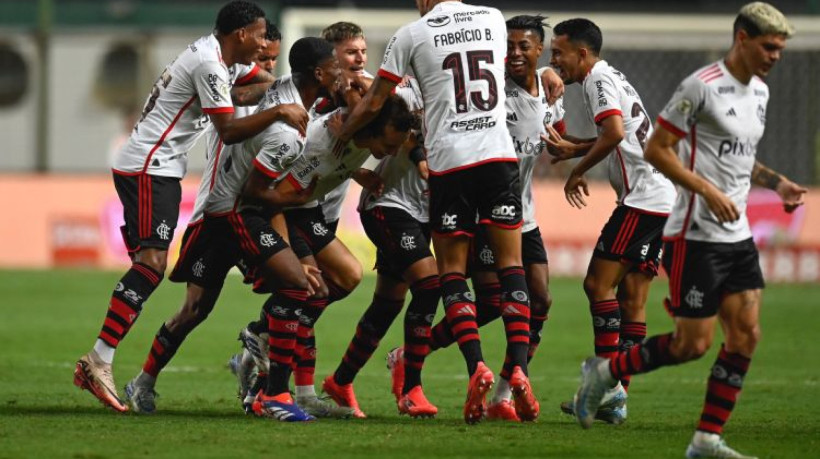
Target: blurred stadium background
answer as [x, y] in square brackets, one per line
[73, 74]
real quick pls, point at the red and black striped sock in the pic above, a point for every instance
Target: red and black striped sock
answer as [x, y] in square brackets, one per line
[460, 311]
[369, 331]
[131, 293]
[643, 357]
[164, 347]
[283, 321]
[632, 333]
[305, 353]
[417, 324]
[606, 324]
[515, 312]
[488, 303]
[725, 383]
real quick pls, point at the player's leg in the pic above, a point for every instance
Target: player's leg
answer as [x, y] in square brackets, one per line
[341, 270]
[150, 208]
[633, 292]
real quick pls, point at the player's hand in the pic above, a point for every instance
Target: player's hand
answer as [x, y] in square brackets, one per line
[313, 274]
[557, 146]
[791, 194]
[424, 169]
[370, 181]
[721, 206]
[575, 189]
[553, 85]
[293, 115]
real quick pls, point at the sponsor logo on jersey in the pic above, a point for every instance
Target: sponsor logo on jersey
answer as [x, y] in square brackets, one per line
[599, 87]
[512, 116]
[527, 148]
[438, 21]
[737, 147]
[448, 221]
[214, 86]
[475, 124]
[761, 114]
[726, 89]
[760, 93]
[685, 106]
[503, 212]
[388, 50]
[731, 112]
[548, 117]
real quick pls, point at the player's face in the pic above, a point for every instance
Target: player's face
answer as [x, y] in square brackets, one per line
[267, 60]
[566, 59]
[329, 74]
[389, 143]
[252, 41]
[524, 47]
[352, 56]
[762, 52]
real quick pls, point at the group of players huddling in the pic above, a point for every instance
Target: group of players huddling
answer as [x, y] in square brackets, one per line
[444, 140]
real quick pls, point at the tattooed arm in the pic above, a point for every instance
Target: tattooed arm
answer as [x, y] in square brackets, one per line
[790, 192]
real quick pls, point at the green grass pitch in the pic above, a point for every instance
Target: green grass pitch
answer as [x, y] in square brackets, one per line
[48, 319]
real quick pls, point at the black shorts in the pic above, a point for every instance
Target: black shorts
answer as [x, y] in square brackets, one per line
[701, 273]
[400, 239]
[633, 236]
[210, 249]
[333, 226]
[532, 250]
[150, 209]
[308, 231]
[490, 190]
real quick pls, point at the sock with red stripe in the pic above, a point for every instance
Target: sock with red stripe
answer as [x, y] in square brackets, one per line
[163, 348]
[725, 383]
[606, 324]
[417, 324]
[461, 317]
[632, 333]
[125, 306]
[283, 321]
[488, 303]
[643, 357]
[305, 354]
[515, 312]
[370, 330]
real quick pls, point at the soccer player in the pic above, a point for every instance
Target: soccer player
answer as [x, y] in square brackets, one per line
[473, 170]
[193, 91]
[705, 141]
[627, 254]
[201, 264]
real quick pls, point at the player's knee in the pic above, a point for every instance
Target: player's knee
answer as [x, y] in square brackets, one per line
[540, 302]
[156, 259]
[743, 338]
[595, 290]
[631, 306]
[691, 349]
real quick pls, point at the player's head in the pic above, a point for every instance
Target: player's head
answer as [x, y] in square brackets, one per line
[314, 61]
[387, 132]
[351, 47]
[575, 45]
[525, 42]
[267, 59]
[241, 28]
[760, 33]
[424, 6]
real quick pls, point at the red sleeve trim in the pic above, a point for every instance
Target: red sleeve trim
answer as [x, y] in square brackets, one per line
[604, 115]
[250, 76]
[560, 126]
[290, 178]
[261, 168]
[218, 110]
[389, 76]
[671, 127]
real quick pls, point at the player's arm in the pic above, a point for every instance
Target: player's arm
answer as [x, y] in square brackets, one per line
[790, 192]
[249, 89]
[612, 133]
[258, 190]
[234, 130]
[366, 110]
[552, 83]
[563, 146]
[660, 153]
[368, 178]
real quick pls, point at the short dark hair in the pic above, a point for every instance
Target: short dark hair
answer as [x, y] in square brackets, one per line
[236, 15]
[394, 112]
[273, 33]
[526, 22]
[307, 53]
[581, 30]
[341, 31]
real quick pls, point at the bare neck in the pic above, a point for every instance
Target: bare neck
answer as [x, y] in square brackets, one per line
[735, 65]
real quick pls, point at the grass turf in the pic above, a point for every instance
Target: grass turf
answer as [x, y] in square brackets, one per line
[48, 319]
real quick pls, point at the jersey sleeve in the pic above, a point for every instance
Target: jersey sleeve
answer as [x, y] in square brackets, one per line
[397, 56]
[246, 73]
[278, 153]
[558, 118]
[603, 97]
[680, 113]
[213, 86]
[371, 163]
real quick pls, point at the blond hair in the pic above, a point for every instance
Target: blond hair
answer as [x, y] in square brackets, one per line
[761, 18]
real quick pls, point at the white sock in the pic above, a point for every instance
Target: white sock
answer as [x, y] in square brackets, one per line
[305, 391]
[502, 391]
[104, 351]
[145, 380]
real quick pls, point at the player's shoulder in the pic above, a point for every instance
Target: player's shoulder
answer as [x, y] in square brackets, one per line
[712, 74]
[204, 50]
[760, 88]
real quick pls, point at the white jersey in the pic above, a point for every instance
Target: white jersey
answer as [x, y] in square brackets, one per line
[272, 152]
[637, 183]
[403, 186]
[527, 118]
[195, 84]
[456, 52]
[320, 160]
[721, 121]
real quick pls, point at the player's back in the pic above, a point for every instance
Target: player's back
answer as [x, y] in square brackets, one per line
[456, 52]
[606, 93]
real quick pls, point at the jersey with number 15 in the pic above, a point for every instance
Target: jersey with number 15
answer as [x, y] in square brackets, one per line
[456, 52]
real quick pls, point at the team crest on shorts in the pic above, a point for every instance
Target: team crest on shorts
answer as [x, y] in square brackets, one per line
[486, 256]
[164, 231]
[408, 242]
[267, 240]
[319, 229]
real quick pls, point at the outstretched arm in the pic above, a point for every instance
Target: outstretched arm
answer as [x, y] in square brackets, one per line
[790, 192]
